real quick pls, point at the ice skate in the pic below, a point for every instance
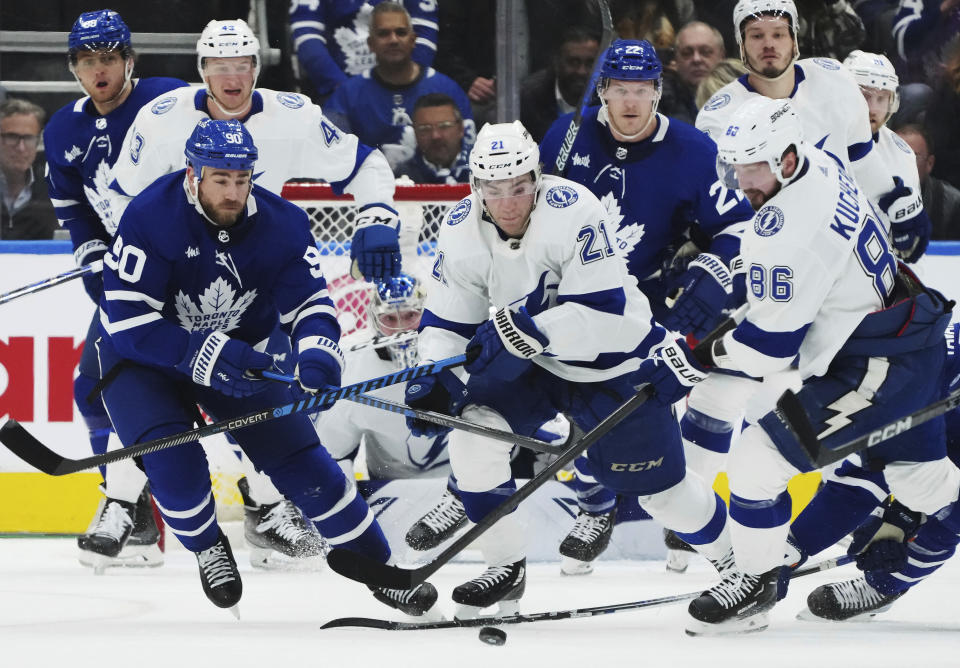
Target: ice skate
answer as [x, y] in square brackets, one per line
[739, 603]
[438, 524]
[414, 602]
[850, 600]
[587, 540]
[101, 546]
[503, 585]
[679, 552]
[143, 547]
[219, 575]
[278, 535]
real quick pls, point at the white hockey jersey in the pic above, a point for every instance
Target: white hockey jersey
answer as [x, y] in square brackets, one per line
[832, 111]
[293, 137]
[817, 261]
[902, 161]
[390, 449]
[564, 270]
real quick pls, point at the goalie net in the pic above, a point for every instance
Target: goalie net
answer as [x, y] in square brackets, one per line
[421, 209]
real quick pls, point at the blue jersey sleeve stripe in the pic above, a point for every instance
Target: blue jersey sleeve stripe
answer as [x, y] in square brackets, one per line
[430, 319]
[858, 151]
[362, 152]
[781, 345]
[611, 301]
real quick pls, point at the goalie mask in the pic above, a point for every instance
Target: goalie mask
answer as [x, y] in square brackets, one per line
[396, 306]
[759, 132]
[747, 10]
[874, 72]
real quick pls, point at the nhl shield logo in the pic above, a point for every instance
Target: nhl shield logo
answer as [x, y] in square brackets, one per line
[459, 212]
[223, 236]
[560, 197]
[101, 123]
[621, 153]
[768, 221]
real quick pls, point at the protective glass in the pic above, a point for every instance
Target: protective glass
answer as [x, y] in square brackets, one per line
[228, 66]
[107, 59]
[742, 177]
[393, 319]
[877, 99]
[506, 188]
[618, 91]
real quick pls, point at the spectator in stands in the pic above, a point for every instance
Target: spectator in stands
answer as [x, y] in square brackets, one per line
[376, 105]
[940, 199]
[645, 19]
[830, 29]
[941, 121]
[723, 73]
[26, 211]
[924, 31]
[558, 89]
[331, 39]
[442, 149]
[698, 49]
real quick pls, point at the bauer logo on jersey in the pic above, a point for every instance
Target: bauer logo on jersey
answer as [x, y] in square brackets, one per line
[827, 63]
[561, 197]
[291, 100]
[135, 147]
[717, 102]
[768, 221]
[163, 106]
[459, 212]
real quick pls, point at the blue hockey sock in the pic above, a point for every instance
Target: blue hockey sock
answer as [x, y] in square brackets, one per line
[591, 495]
[707, 432]
[479, 504]
[711, 530]
[94, 416]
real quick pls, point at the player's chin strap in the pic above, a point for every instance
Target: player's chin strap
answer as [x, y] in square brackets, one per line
[604, 117]
[242, 112]
[191, 186]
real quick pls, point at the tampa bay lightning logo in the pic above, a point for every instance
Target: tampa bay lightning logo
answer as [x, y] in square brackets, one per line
[718, 101]
[827, 63]
[560, 197]
[768, 221]
[902, 145]
[459, 212]
[163, 106]
[291, 100]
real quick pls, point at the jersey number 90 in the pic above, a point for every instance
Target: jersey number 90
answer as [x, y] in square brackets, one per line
[127, 260]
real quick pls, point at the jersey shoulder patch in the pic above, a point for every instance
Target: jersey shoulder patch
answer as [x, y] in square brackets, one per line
[459, 212]
[163, 105]
[827, 63]
[768, 221]
[290, 100]
[902, 145]
[560, 197]
[718, 101]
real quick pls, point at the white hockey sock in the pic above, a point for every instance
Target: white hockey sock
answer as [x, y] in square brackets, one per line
[262, 490]
[125, 481]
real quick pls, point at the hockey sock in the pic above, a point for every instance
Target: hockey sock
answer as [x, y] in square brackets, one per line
[758, 528]
[706, 442]
[934, 544]
[94, 415]
[479, 504]
[839, 506]
[591, 495]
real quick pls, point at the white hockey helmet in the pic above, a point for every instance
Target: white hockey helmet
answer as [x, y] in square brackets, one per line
[228, 39]
[753, 9]
[503, 151]
[761, 130]
[874, 70]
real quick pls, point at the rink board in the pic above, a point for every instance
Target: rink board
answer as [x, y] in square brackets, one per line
[41, 337]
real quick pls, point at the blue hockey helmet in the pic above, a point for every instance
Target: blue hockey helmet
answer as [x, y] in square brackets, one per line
[631, 60]
[220, 145]
[102, 30]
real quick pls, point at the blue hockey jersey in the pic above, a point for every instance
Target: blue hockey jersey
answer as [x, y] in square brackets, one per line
[380, 114]
[654, 191]
[171, 271]
[81, 147]
[330, 37]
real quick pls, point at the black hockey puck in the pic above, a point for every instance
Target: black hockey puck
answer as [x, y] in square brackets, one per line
[493, 636]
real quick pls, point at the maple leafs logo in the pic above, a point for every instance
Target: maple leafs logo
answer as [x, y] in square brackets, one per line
[353, 42]
[628, 236]
[218, 308]
[97, 196]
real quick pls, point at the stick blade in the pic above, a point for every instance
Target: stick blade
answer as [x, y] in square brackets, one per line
[360, 568]
[25, 446]
[362, 622]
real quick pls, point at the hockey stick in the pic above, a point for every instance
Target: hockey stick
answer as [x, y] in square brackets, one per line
[792, 415]
[389, 625]
[443, 420]
[378, 341]
[363, 569]
[23, 444]
[92, 268]
[606, 37]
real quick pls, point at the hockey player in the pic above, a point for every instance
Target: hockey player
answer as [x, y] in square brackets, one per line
[657, 179]
[569, 331]
[82, 142]
[295, 140]
[824, 289]
[203, 268]
[833, 112]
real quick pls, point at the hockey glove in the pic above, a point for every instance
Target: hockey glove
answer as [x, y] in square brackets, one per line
[880, 543]
[375, 251]
[672, 370]
[703, 291]
[87, 253]
[910, 225]
[506, 342]
[215, 360]
[319, 364]
[441, 393]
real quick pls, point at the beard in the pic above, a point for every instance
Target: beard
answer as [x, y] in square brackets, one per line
[221, 216]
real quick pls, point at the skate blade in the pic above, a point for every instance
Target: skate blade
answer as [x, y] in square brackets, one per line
[235, 610]
[271, 560]
[575, 567]
[751, 624]
[806, 615]
[678, 561]
[145, 556]
[503, 609]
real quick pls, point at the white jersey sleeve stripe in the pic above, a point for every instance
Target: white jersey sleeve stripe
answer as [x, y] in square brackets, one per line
[131, 296]
[303, 38]
[129, 323]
